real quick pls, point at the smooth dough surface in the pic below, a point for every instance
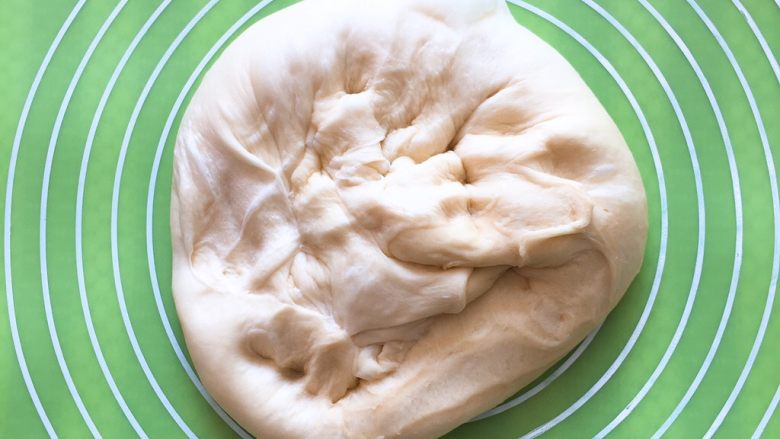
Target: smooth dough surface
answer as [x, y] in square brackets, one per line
[389, 216]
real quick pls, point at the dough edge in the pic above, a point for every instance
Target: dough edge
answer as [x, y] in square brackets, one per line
[417, 402]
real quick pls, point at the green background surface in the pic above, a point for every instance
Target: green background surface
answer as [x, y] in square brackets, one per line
[89, 338]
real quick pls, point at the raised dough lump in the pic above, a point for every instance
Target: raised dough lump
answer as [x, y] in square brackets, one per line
[388, 216]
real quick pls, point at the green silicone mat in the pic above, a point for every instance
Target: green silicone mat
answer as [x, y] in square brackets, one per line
[92, 92]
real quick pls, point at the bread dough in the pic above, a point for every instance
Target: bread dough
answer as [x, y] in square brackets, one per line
[389, 216]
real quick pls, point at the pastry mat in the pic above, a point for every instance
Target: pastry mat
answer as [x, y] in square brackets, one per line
[92, 92]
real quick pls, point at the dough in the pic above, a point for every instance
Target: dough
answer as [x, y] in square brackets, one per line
[389, 216]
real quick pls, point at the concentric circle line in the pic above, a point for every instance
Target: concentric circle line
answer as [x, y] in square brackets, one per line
[776, 214]
[770, 410]
[739, 221]
[530, 393]
[74, 81]
[161, 146]
[701, 220]
[760, 37]
[125, 141]
[79, 212]
[7, 217]
[700, 245]
[664, 214]
[125, 314]
[166, 130]
[753, 364]
[551, 378]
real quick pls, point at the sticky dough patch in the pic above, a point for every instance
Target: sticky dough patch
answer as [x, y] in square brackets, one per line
[388, 216]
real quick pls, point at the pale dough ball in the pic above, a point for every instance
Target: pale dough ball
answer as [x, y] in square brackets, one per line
[389, 216]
